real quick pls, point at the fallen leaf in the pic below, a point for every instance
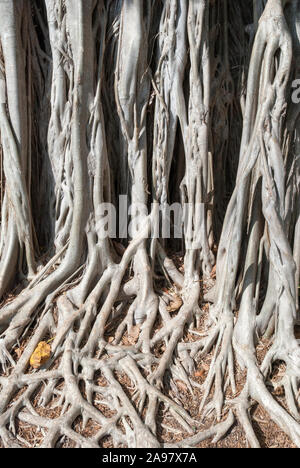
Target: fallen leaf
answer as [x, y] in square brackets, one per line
[40, 355]
[175, 304]
[200, 373]
[110, 339]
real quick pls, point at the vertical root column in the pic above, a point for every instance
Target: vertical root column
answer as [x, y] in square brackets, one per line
[132, 94]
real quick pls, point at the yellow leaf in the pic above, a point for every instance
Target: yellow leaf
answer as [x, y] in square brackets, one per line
[40, 355]
[175, 304]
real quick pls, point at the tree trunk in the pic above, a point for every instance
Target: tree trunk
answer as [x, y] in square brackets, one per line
[152, 102]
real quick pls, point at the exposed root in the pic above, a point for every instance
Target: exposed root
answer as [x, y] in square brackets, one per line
[116, 91]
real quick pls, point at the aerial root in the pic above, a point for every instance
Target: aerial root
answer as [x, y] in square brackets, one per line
[215, 432]
[289, 353]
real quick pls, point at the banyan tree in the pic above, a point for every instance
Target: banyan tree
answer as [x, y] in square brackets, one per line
[164, 104]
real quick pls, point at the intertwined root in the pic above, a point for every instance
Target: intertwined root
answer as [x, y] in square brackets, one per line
[133, 363]
[126, 389]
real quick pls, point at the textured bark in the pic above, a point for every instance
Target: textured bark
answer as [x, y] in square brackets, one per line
[168, 101]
